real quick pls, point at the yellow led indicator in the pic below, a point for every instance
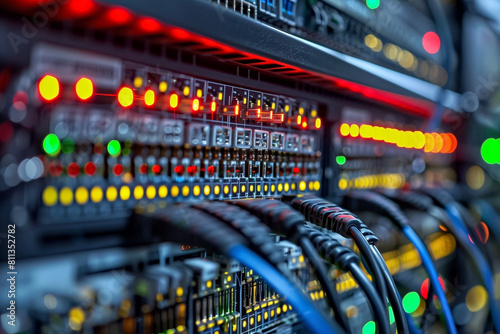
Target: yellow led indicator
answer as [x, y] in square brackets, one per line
[280, 187]
[243, 188]
[235, 189]
[163, 191]
[342, 184]
[317, 185]
[252, 321]
[149, 97]
[244, 324]
[196, 190]
[84, 88]
[209, 284]
[150, 192]
[266, 315]
[186, 90]
[273, 188]
[244, 100]
[179, 291]
[302, 185]
[199, 93]
[311, 185]
[344, 129]
[299, 119]
[111, 194]
[138, 192]
[66, 196]
[314, 113]
[220, 96]
[301, 111]
[259, 318]
[125, 97]
[258, 188]
[287, 108]
[174, 191]
[294, 186]
[228, 278]
[285, 308]
[96, 194]
[287, 187]
[137, 82]
[258, 103]
[206, 190]
[278, 310]
[124, 193]
[82, 195]
[226, 190]
[185, 191]
[217, 190]
[251, 188]
[266, 188]
[49, 87]
[273, 106]
[162, 87]
[49, 196]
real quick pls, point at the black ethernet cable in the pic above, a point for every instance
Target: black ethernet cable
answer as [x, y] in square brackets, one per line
[366, 200]
[183, 224]
[284, 220]
[344, 258]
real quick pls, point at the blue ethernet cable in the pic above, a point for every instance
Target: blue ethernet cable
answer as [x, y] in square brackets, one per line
[461, 232]
[308, 313]
[433, 276]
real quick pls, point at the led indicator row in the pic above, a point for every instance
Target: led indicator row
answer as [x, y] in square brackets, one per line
[82, 195]
[428, 142]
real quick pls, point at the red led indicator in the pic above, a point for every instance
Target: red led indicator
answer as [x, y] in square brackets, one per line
[179, 170]
[156, 169]
[73, 169]
[90, 168]
[118, 169]
[211, 170]
[424, 288]
[431, 42]
[55, 168]
[143, 169]
[191, 170]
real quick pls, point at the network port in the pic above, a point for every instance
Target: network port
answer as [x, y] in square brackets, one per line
[243, 138]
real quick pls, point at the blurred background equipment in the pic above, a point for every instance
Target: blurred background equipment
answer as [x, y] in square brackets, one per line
[250, 166]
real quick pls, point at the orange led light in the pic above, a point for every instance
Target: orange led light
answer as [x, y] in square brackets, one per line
[258, 112]
[84, 89]
[174, 100]
[49, 88]
[237, 110]
[125, 97]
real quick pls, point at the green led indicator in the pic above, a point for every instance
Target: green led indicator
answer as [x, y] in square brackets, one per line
[51, 144]
[490, 151]
[369, 328]
[340, 159]
[68, 145]
[373, 4]
[114, 148]
[391, 315]
[411, 301]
